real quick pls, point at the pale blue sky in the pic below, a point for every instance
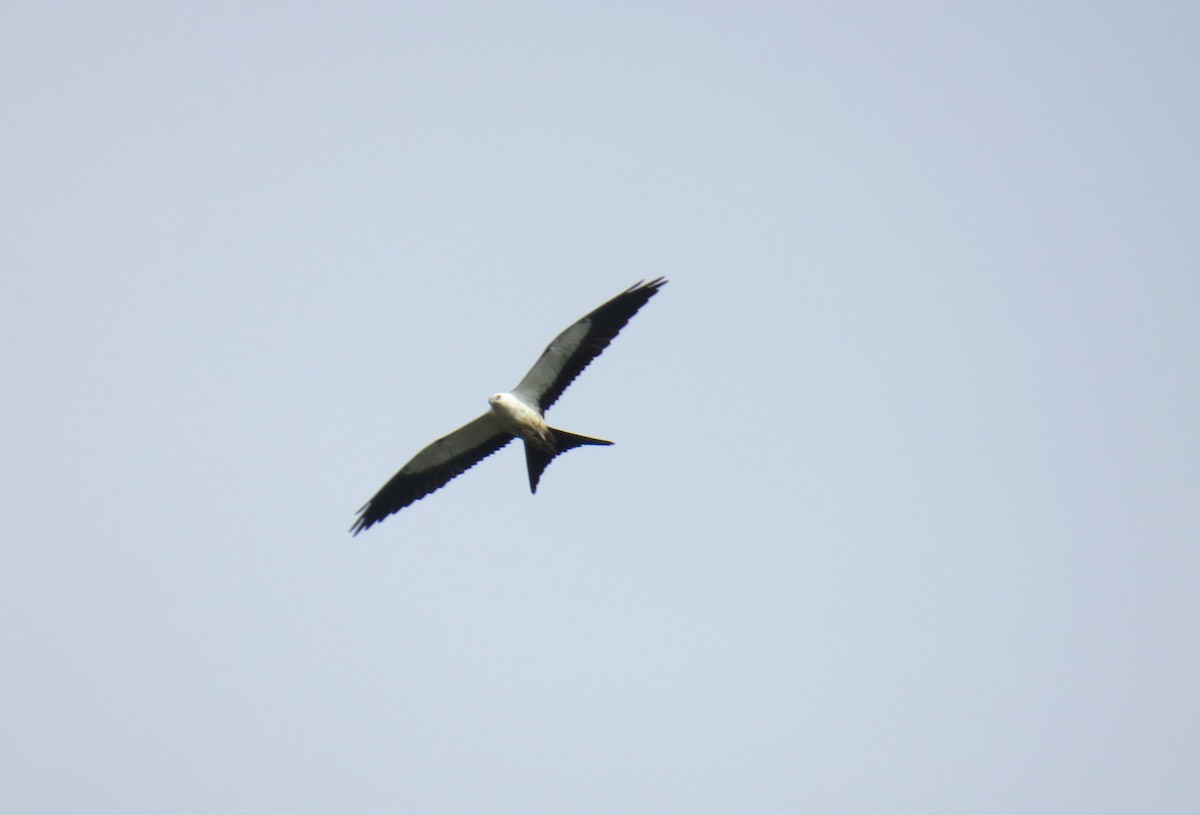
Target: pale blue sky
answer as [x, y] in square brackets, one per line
[902, 511]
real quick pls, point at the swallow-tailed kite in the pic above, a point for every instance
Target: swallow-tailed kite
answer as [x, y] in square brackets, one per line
[514, 415]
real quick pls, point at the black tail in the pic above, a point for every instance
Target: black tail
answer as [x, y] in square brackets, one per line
[538, 459]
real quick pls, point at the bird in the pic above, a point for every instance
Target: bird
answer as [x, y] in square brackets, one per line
[518, 414]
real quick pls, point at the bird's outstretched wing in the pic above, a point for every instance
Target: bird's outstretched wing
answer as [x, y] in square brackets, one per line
[574, 349]
[433, 467]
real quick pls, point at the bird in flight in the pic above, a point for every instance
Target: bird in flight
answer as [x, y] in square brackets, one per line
[518, 414]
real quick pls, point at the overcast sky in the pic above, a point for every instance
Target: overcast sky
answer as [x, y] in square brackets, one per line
[902, 512]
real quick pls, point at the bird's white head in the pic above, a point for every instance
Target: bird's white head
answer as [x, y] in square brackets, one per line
[498, 398]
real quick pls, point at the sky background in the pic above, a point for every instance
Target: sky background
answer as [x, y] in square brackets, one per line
[902, 512]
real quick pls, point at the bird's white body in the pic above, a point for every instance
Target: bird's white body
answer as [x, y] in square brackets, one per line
[520, 419]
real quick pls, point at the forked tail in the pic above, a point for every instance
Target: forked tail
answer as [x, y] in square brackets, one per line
[538, 459]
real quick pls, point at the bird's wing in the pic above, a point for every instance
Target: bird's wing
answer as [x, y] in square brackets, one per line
[574, 349]
[433, 467]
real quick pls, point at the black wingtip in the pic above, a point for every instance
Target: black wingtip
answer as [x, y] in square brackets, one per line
[655, 284]
[363, 521]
